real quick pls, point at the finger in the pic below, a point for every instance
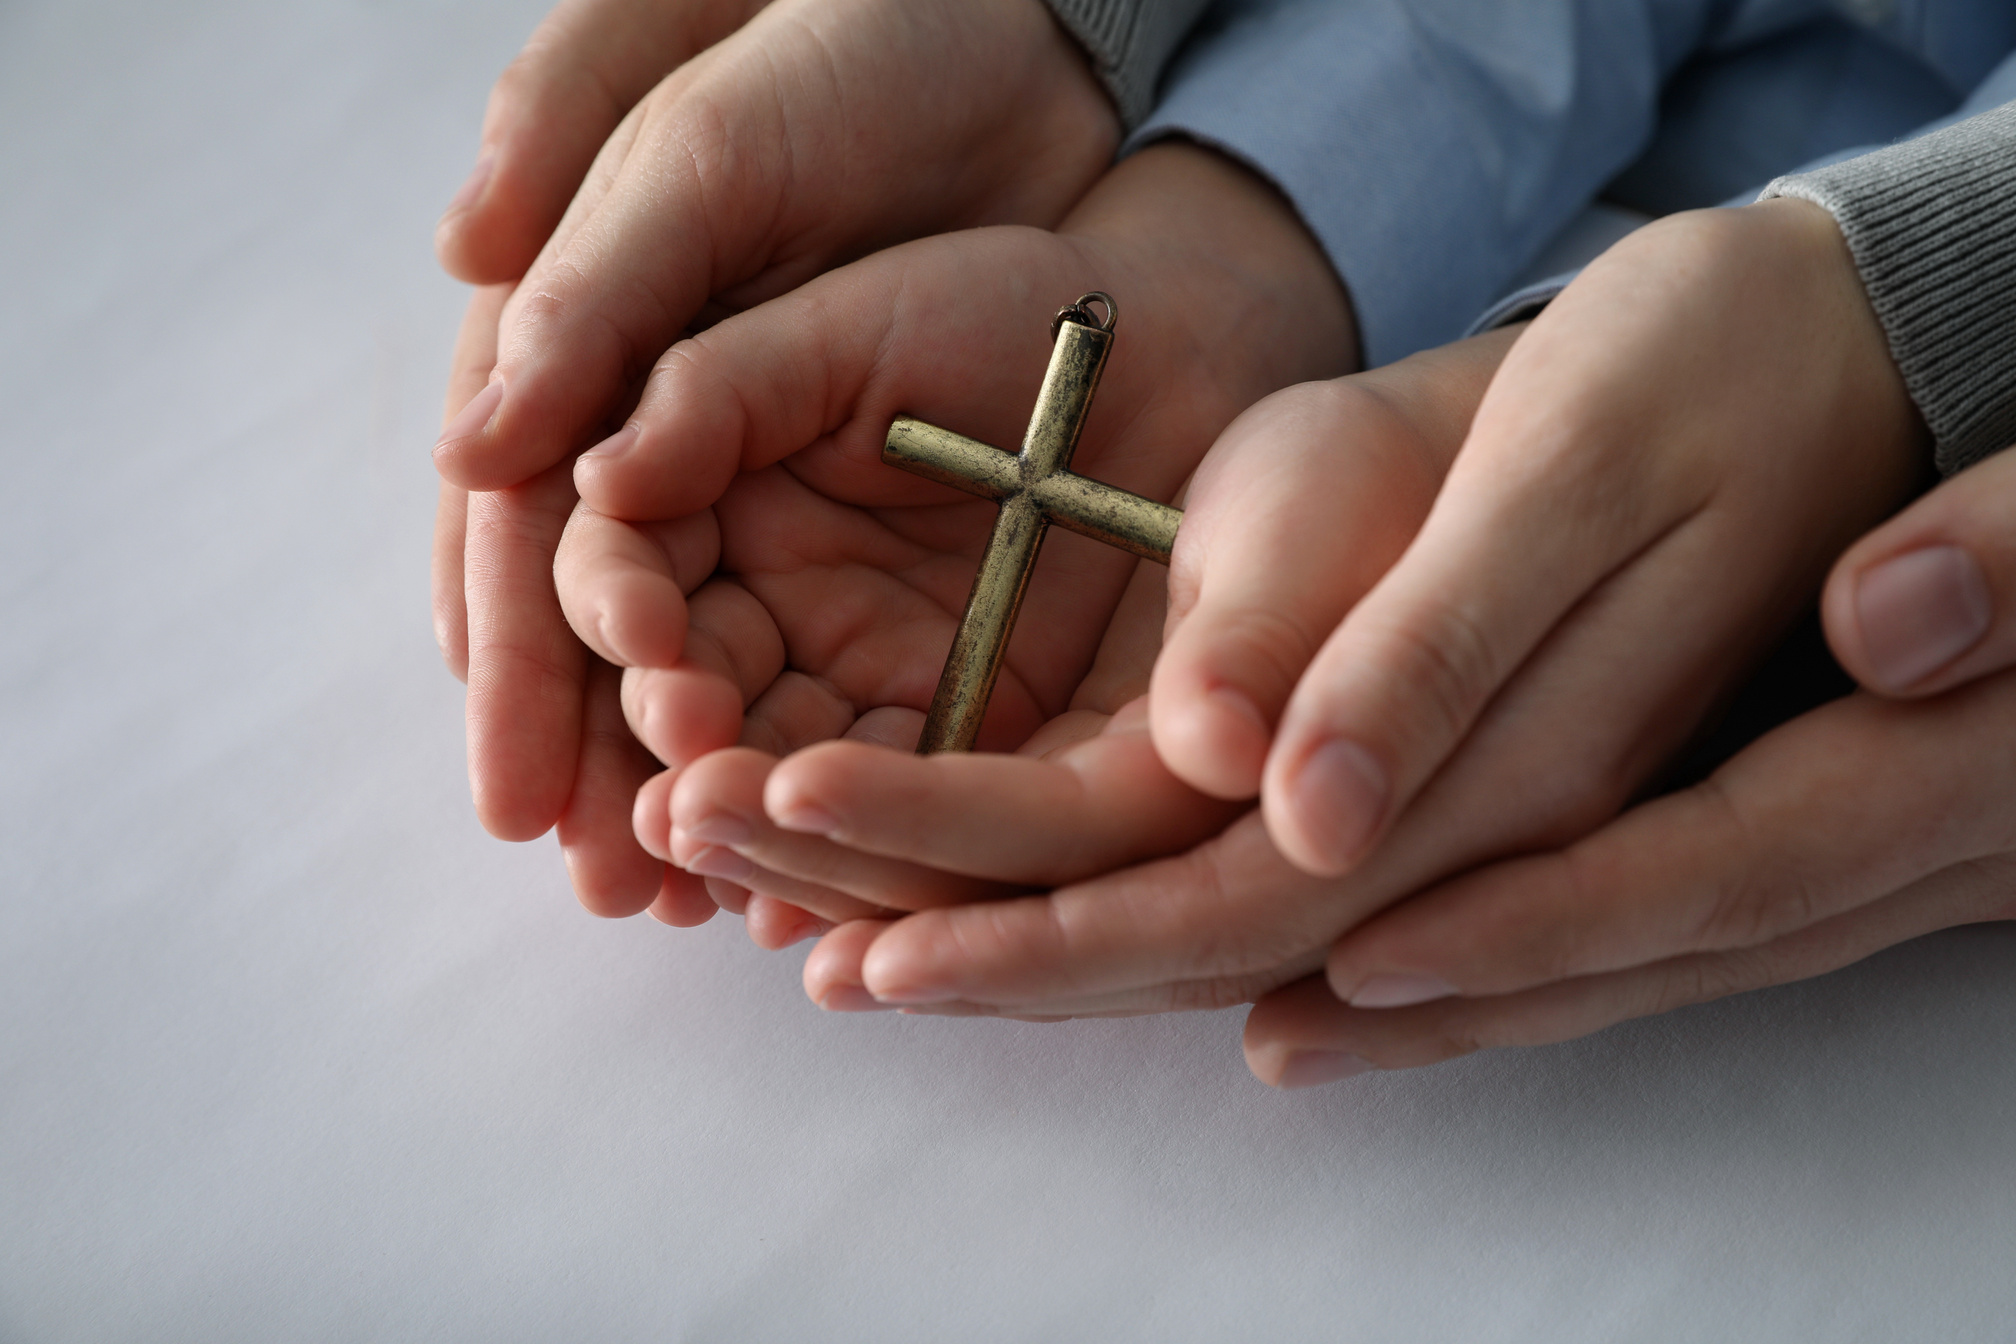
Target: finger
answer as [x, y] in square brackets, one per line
[1928, 600]
[623, 586]
[719, 829]
[1229, 908]
[733, 653]
[774, 925]
[526, 669]
[582, 70]
[1303, 1035]
[475, 355]
[683, 900]
[451, 608]
[613, 875]
[1828, 813]
[1595, 441]
[833, 980]
[1094, 805]
[931, 330]
[1344, 472]
[766, 160]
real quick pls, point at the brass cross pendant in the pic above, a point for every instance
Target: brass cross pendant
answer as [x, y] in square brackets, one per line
[1035, 488]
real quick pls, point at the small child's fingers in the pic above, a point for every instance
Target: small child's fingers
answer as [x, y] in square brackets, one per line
[719, 828]
[650, 814]
[833, 968]
[623, 586]
[733, 653]
[684, 901]
[832, 363]
[1093, 806]
[613, 875]
[774, 925]
[549, 114]
[526, 668]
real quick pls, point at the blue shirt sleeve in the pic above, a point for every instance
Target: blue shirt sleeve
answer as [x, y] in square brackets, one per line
[1432, 146]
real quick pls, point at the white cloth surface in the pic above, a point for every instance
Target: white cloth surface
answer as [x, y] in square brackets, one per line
[290, 1050]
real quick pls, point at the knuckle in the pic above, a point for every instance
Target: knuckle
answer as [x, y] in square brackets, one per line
[1448, 665]
[1260, 646]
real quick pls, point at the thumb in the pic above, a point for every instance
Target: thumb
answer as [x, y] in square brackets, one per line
[1303, 503]
[586, 65]
[1927, 601]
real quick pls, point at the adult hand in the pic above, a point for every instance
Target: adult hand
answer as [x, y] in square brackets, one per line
[791, 143]
[1865, 823]
[842, 578]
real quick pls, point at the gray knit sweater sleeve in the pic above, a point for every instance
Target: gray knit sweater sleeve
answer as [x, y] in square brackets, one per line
[1931, 224]
[1129, 41]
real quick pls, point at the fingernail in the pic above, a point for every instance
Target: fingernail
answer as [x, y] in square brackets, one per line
[1920, 611]
[616, 444]
[1340, 791]
[723, 863]
[808, 818]
[1313, 1068]
[475, 415]
[1400, 991]
[472, 188]
[721, 828]
[852, 999]
[895, 997]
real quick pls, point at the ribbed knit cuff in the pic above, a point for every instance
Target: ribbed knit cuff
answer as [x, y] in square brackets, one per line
[1130, 43]
[1931, 224]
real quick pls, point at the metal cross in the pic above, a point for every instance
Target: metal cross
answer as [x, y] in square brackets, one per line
[1035, 489]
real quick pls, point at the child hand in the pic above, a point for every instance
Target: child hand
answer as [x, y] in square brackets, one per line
[841, 828]
[818, 102]
[1865, 823]
[861, 827]
[844, 577]
[1699, 424]
[1554, 754]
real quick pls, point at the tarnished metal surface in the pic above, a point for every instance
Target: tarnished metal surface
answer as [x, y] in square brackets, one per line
[1035, 488]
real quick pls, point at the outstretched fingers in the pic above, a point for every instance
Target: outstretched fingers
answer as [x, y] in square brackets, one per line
[1214, 913]
[1089, 807]
[1827, 814]
[927, 329]
[1303, 1036]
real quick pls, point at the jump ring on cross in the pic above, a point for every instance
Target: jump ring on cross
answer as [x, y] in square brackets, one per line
[1079, 313]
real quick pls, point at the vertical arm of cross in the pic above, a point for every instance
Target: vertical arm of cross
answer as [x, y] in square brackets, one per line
[953, 721]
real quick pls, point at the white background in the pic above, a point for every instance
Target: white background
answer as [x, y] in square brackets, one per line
[290, 1050]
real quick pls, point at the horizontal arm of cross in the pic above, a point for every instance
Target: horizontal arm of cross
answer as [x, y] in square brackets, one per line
[1078, 503]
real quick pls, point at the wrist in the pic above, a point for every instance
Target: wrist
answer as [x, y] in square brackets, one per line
[1207, 235]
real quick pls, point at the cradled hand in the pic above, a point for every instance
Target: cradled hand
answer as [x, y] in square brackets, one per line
[734, 153]
[841, 578]
[841, 828]
[1866, 822]
[1653, 484]
[1702, 421]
